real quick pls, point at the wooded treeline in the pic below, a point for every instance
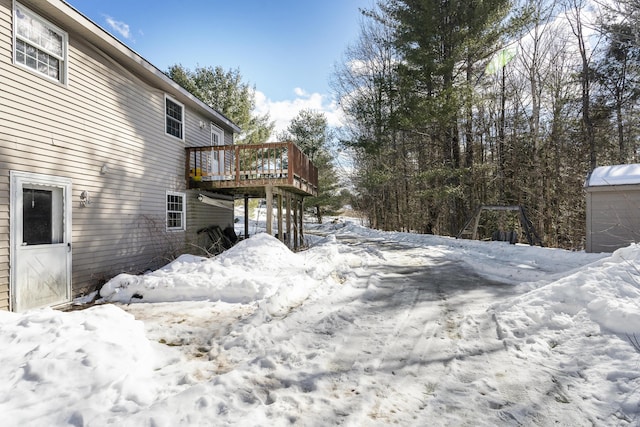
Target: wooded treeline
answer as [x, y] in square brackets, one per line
[453, 104]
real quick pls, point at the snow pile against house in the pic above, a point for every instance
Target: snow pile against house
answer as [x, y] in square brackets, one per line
[258, 269]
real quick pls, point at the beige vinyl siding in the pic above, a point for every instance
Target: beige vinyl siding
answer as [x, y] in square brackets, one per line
[104, 116]
[199, 137]
[201, 215]
[5, 60]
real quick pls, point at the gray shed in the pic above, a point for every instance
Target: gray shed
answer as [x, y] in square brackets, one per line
[613, 207]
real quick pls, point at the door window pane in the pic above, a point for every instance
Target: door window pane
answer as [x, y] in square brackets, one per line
[37, 211]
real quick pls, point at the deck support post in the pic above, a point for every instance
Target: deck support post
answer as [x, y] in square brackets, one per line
[280, 227]
[287, 233]
[301, 233]
[269, 196]
[246, 216]
[295, 224]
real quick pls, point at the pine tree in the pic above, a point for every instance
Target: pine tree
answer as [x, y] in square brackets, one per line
[310, 131]
[226, 92]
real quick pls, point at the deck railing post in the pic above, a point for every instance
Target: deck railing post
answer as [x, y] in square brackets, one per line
[290, 162]
[236, 150]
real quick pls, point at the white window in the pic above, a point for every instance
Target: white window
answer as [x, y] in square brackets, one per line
[174, 117]
[175, 211]
[39, 45]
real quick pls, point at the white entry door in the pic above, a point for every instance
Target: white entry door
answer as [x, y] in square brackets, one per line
[217, 157]
[40, 240]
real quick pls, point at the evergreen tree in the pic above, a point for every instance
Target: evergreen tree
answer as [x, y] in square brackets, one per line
[434, 136]
[617, 72]
[226, 92]
[441, 43]
[309, 130]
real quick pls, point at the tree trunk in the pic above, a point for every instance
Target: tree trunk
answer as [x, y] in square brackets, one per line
[587, 123]
[622, 149]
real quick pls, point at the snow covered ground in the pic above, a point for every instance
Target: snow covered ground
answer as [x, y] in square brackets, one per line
[364, 328]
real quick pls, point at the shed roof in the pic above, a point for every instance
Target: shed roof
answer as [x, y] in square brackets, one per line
[614, 175]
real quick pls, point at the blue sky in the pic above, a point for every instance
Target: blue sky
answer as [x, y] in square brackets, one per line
[285, 48]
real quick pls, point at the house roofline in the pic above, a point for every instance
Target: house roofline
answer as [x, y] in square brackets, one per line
[75, 21]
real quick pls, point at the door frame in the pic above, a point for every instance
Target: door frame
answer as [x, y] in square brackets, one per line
[17, 180]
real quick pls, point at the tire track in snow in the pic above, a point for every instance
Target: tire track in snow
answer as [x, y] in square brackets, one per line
[416, 360]
[406, 340]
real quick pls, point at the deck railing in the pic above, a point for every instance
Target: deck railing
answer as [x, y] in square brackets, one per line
[227, 166]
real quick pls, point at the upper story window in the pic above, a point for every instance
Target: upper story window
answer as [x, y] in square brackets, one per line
[174, 117]
[217, 135]
[39, 45]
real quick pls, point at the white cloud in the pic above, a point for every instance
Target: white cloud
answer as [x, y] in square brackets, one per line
[282, 112]
[122, 28]
[300, 92]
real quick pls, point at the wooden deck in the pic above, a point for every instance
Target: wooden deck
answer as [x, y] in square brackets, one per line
[251, 169]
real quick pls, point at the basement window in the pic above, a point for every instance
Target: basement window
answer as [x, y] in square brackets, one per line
[175, 211]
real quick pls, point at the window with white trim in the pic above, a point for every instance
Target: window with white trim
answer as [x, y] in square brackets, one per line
[175, 211]
[174, 117]
[39, 45]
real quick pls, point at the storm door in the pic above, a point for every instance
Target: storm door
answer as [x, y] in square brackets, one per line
[40, 240]
[217, 157]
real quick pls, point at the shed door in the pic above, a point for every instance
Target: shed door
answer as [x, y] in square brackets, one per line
[41, 240]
